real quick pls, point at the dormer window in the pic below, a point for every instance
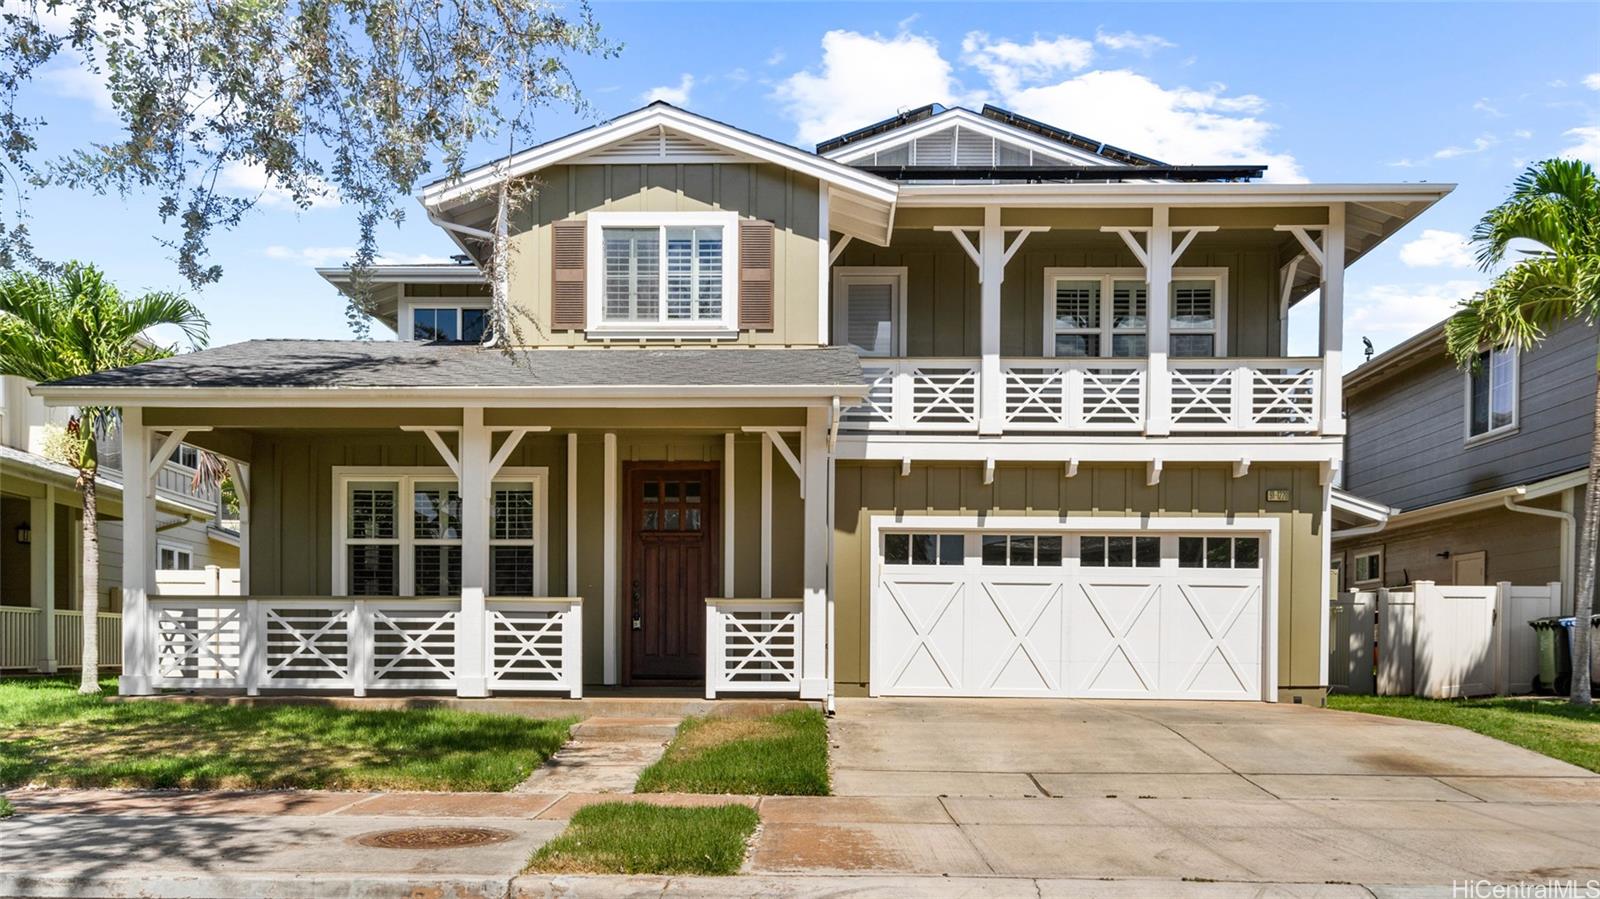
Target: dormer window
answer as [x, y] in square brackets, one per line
[666, 272]
[451, 324]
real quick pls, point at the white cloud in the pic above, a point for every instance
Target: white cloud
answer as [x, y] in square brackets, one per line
[78, 82]
[1484, 106]
[1177, 125]
[1522, 134]
[865, 78]
[1008, 65]
[322, 257]
[1479, 144]
[251, 178]
[1592, 82]
[1587, 147]
[776, 57]
[676, 95]
[1128, 40]
[1436, 248]
[1388, 313]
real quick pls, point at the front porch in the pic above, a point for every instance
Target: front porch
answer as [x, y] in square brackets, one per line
[626, 549]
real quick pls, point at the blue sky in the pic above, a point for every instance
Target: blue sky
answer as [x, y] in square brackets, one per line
[1333, 93]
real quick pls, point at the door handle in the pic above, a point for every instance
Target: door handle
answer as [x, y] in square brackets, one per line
[638, 620]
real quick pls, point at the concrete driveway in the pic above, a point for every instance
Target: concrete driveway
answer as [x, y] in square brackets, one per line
[1239, 792]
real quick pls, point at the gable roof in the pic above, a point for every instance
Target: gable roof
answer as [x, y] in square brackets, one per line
[994, 122]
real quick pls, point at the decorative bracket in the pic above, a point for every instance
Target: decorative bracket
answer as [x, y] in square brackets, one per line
[432, 433]
[838, 249]
[1241, 467]
[988, 471]
[1152, 474]
[513, 438]
[241, 483]
[1313, 247]
[905, 466]
[1071, 470]
[782, 446]
[164, 451]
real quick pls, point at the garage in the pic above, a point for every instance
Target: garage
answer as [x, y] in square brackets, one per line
[1006, 611]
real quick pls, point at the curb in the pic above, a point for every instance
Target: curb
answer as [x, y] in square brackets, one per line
[275, 886]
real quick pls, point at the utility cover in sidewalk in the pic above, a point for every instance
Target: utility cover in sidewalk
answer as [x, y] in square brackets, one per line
[434, 838]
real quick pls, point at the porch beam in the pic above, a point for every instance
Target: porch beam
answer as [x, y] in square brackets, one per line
[138, 556]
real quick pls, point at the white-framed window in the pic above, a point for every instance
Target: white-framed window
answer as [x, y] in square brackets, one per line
[172, 557]
[187, 456]
[398, 532]
[674, 272]
[1367, 567]
[444, 321]
[869, 309]
[1492, 394]
[1105, 312]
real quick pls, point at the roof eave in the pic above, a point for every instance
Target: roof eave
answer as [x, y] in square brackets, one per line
[325, 397]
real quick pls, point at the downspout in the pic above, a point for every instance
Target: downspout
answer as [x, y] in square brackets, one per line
[1568, 549]
[833, 425]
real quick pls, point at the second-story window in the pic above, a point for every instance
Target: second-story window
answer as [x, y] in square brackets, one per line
[448, 323]
[1492, 393]
[662, 271]
[1106, 314]
[187, 456]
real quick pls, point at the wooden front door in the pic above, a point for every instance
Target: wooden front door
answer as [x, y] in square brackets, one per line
[673, 564]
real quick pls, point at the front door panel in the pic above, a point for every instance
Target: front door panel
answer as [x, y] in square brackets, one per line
[673, 565]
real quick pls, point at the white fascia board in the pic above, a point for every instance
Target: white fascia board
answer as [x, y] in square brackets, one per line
[614, 397]
[853, 152]
[1168, 194]
[441, 194]
[1361, 507]
[408, 274]
[1219, 450]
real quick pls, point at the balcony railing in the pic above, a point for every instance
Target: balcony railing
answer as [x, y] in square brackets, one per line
[1070, 395]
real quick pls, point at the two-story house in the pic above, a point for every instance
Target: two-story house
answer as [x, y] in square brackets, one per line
[1476, 475]
[958, 404]
[41, 534]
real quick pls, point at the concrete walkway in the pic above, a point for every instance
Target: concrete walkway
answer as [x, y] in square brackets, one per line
[938, 798]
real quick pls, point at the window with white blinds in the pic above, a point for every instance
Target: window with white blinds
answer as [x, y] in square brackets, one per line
[663, 270]
[867, 316]
[1106, 314]
[401, 533]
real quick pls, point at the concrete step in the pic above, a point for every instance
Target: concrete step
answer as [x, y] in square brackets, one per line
[620, 730]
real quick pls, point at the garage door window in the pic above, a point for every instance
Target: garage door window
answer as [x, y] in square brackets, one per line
[1021, 549]
[1119, 552]
[924, 549]
[1219, 552]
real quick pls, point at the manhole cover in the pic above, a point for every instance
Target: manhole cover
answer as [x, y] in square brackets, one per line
[434, 837]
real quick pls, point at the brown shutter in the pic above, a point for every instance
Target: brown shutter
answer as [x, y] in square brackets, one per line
[570, 260]
[755, 275]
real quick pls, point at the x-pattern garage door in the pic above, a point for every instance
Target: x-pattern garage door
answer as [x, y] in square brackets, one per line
[1074, 615]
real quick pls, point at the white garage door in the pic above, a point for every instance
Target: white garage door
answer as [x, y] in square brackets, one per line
[1173, 616]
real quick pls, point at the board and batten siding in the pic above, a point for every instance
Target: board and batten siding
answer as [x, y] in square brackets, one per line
[867, 489]
[943, 298]
[787, 199]
[1407, 434]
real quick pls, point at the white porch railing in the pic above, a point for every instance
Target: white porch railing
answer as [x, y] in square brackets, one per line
[752, 646]
[360, 643]
[1059, 394]
[69, 638]
[19, 637]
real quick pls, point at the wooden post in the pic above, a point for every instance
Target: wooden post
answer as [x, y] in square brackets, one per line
[138, 557]
[814, 647]
[991, 275]
[608, 592]
[472, 672]
[1158, 279]
[1332, 327]
[42, 562]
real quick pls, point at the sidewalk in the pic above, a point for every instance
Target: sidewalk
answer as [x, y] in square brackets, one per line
[107, 843]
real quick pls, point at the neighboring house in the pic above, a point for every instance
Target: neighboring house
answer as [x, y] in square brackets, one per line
[959, 404]
[41, 534]
[1469, 477]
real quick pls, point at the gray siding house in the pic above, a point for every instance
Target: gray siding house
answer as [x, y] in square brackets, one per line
[1467, 477]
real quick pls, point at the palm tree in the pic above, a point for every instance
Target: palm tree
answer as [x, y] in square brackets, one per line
[75, 322]
[1554, 205]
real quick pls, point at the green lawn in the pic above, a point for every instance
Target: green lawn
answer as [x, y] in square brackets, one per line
[637, 838]
[777, 755]
[6, 808]
[50, 735]
[1548, 726]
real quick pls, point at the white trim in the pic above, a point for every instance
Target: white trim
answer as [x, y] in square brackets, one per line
[727, 325]
[572, 514]
[766, 514]
[1107, 278]
[446, 192]
[817, 535]
[855, 152]
[825, 258]
[610, 640]
[405, 478]
[1505, 430]
[1266, 527]
[609, 396]
[845, 275]
[729, 451]
[1181, 449]
[1168, 193]
[1356, 580]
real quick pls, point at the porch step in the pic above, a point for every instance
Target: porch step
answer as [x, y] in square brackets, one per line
[625, 730]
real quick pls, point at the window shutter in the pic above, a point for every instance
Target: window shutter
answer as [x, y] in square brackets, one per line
[569, 261]
[755, 275]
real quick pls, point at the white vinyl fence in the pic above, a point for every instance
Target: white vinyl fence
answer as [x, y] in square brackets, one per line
[1437, 641]
[207, 581]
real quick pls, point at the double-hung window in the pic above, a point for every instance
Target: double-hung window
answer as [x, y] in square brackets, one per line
[400, 533]
[1105, 313]
[666, 271]
[1492, 394]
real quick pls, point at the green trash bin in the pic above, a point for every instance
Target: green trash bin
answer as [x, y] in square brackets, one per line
[1555, 657]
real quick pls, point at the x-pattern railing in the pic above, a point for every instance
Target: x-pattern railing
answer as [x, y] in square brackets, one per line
[944, 394]
[757, 655]
[414, 643]
[536, 639]
[1203, 396]
[1111, 396]
[1284, 398]
[1035, 395]
[190, 639]
[309, 646]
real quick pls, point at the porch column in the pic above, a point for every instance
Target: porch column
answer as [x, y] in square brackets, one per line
[472, 673]
[42, 561]
[814, 605]
[138, 557]
[991, 275]
[1332, 329]
[612, 671]
[1158, 276]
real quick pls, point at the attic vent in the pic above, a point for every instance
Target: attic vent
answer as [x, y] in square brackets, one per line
[660, 145]
[973, 148]
[935, 149]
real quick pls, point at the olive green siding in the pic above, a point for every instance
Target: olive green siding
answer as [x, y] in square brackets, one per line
[943, 300]
[787, 199]
[866, 489]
